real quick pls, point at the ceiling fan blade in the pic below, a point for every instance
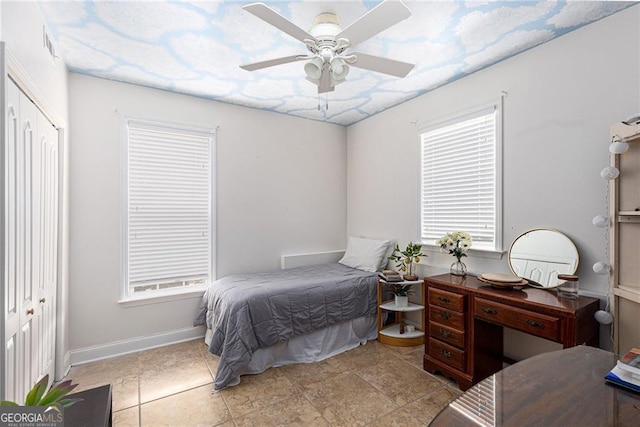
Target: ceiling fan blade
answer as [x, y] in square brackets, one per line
[272, 17]
[271, 62]
[385, 15]
[324, 84]
[382, 65]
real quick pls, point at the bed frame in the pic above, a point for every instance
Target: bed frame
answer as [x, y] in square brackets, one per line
[314, 258]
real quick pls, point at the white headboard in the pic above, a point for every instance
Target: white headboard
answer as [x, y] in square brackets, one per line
[298, 260]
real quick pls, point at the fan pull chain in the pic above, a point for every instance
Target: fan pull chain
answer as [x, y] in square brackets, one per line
[326, 102]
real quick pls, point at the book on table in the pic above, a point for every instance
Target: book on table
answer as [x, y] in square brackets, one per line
[631, 361]
[626, 373]
[390, 276]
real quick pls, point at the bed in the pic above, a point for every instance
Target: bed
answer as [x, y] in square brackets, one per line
[303, 314]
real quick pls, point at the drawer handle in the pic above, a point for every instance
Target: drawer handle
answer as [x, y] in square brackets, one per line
[534, 323]
[444, 315]
[445, 353]
[489, 310]
[444, 333]
[444, 299]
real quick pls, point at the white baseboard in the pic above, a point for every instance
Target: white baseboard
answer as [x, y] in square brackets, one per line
[63, 368]
[118, 348]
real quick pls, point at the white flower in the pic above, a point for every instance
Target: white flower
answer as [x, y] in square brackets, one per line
[456, 241]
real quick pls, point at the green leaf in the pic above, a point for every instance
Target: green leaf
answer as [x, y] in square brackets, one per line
[57, 392]
[65, 403]
[8, 403]
[36, 393]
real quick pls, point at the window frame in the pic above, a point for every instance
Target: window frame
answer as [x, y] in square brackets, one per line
[498, 106]
[159, 295]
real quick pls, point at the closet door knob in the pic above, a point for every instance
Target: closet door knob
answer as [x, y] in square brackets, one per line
[30, 311]
[43, 300]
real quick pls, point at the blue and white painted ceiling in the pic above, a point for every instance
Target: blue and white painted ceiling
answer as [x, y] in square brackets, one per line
[196, 47]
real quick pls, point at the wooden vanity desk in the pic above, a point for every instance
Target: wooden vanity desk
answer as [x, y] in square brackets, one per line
[464, 320]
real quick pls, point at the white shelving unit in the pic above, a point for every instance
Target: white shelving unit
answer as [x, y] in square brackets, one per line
[390, 334]
[625, 240]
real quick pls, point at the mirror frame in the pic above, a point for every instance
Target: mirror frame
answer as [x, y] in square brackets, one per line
[531, 282]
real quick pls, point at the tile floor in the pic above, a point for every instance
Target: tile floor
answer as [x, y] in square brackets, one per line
[373, 385]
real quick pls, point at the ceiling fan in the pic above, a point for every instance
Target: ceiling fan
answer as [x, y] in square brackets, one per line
[327, 63]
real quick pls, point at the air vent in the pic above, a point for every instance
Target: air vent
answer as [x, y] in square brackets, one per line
[48, 44]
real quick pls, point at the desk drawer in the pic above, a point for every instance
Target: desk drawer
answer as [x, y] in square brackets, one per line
[446, 299]
[447, 354]
[524, 320]
[446, 334]
[452, 319]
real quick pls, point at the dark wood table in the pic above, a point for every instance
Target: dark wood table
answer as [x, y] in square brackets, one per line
[94, 410]
[561, 388]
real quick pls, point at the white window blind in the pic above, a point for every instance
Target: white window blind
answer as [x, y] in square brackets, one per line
[169, 203]
[479, 403]
[460, 179]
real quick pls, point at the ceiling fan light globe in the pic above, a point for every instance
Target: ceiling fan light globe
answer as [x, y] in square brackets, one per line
[313, 68]
[340, 77]
[339, 68]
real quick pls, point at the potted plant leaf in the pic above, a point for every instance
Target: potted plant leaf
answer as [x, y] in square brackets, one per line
[406, 260]
[401, 293]
[54, 397]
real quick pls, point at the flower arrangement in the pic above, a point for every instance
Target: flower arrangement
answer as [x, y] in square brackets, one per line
[456, 243]
[406, 259]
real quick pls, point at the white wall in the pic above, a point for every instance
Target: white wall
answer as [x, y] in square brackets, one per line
[281, 189]
[45, 81]
[561, 99]
[22, 26]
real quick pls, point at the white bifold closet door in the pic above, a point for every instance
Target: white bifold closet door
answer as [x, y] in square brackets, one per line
[31, 245]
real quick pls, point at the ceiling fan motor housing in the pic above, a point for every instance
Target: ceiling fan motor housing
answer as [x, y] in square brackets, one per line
[326, 27]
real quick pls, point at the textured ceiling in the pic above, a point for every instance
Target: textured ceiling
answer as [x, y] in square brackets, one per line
[195, 47]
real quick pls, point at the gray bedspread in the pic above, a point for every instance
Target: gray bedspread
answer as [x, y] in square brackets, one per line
[251, 311]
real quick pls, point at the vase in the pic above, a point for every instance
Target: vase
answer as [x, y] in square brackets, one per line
[458, 268]
[402, 301]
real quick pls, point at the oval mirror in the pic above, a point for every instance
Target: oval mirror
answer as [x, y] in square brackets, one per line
[541, 254]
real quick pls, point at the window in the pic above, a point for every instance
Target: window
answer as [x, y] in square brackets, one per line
[461, 178]
[168, 199]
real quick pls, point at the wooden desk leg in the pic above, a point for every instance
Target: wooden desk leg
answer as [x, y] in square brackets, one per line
[594, 342]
